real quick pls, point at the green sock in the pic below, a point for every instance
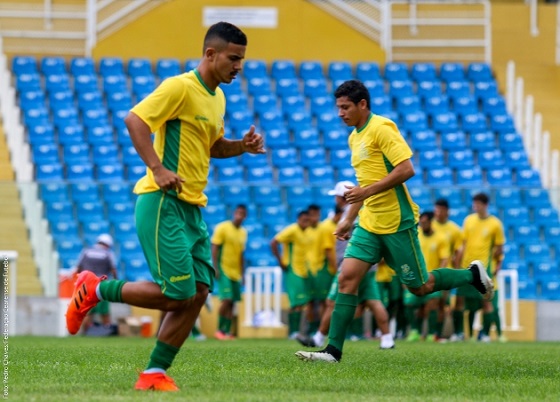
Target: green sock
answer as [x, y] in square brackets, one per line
[227, 326]
[458, 324]
[221, 323]
[111, 291]
[432, 322]
[357, 327]
[439, 328]
[487, 319]
[498, 322]
[342, 316]
[162, 356]
[294, 319]
[195, 331]
[447, 278]
[411, 317]
[313, 327]
[402, 322]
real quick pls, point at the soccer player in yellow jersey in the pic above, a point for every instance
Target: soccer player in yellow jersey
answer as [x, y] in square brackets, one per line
[295, 245]
[387, 225]
[228, 245]
[441, 222]
[186, 113]
[483, 239]
[322, 264]
[435, 249]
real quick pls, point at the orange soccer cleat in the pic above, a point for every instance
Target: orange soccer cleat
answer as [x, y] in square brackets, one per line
[83, 300]
[155, 382]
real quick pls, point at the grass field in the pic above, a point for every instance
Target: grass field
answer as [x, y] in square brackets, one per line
[105, 369]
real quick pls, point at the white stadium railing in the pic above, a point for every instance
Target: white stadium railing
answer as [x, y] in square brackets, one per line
[263, 293]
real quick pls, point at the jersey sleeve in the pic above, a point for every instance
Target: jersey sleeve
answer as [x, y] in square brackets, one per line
[218, 236]
[392, 143]
[286, 235]
[500, 238]
[163, 104]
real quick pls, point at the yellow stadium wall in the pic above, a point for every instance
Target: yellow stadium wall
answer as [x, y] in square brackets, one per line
[304, 32]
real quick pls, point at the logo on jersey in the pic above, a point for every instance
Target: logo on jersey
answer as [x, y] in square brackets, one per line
[363, 151]
[199, 117]
[179, 278]
[407, 272]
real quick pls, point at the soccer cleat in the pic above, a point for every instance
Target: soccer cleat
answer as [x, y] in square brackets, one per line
[481, 280]
[413, 336]
[320, 356]
[431, 338]
[83, 300]
[155, 382]
[221, 336]
[502, 339]
[457, 338]
[307, 342]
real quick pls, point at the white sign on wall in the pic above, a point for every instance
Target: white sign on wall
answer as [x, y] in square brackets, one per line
[243, 17]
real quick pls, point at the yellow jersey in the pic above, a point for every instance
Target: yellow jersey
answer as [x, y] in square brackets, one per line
[377, 148]
[187, 119]
[323, 240]
[295, 244]
[453, 233]
[480, 237]
[232, 241]
[435, 248]
[384, 272]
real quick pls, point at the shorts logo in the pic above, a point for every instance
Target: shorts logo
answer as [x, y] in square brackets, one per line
[179, 278]
[407, 272]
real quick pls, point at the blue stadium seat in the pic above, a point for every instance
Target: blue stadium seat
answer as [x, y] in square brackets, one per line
[458, 215]
[313, 87]
[311, 70]
[299, 196]
[312, 157]
[546, 217]
[57, 82]
[236, 103]
[550, 290]
[499, 177]
[329, 121]
[445, 122]
[451, 72]
[284, 157]
[436, 104]
[264, 103]
[24, 65]
[366, 71]
[454, 141]
[482, 141]
[232, 174]
[491, 159]
[251, 161]
[266, 194]
[439, 176]
[214, 213]
[299, 121]
[31, 100]
[423, 72]
[432, 158]
[114, 83]
[395, 71]
[400, 88]
[477, 72]
[421, 195]
[485, 89]
[71, 134]
[494, 105]
[139, 66]
[528, 178]
[65, 116]
[119, 211]
[517, 160]
[48, 172]
[460, 159]
[53, 192]
[45, 154]
[281, 69]
[39, 116]
[111, 66]
[345, 173]
[233, 87]
[237, 194]
[502, 123]
[423, 140]
[381, 104]
[321, 175]
[453, 196]
[536, 252]
[82, 66]
[223, 162]
[70, 246]
[105, 154]
[191, 64]
[143, 84]
[340, 158]
[277, 138]
[259, 86]
[458, 89]
[536, 198]
[254, 69]
[86, 83]
[90, 100]
[474, 122]
[90, 211]
[85, 192]
[408, 104]
[415, 121]
[99, 135]
[429, 89]
[28, 82]
[167, 68]
[64, 229]
[465, 105]
[333, 139]
[525, 233]
[527, 288]
[80, 171]
[242, 120]
[114, 192]
[109, 173]
[507, 197]
[322, 104]
[293, 104]
[516, 216]
[515, 265]
[290, 175]
[95, 228]
[338, 70]
[469, 177]
[263, 175]
[376, 88]
[136, 268]
[41, 134]
[134, 172]
[287, 87]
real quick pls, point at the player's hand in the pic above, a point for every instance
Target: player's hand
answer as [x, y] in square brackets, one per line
[253, 143]
[167, 180]
[355, 194]
[342, 231]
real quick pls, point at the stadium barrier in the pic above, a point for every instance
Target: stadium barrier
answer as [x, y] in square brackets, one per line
[513, 323]
[262, 296]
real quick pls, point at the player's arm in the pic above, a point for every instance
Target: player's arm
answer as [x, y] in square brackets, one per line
[401, 173]
[274, 246]
[252, 143]
[215, 259]
[343, 228]
[498, 256]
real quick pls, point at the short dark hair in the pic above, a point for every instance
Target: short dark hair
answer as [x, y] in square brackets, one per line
[314, 207]
[481, 197]
[225, 31]
[301, 213]
[355, 91]
[241, 206]
[338, 210]
[428, 214]
[442, 202]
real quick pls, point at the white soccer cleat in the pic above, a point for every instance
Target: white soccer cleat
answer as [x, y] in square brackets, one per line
[481, 280]
[316, 357]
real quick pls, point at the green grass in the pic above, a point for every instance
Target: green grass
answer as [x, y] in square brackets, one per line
[97, 369]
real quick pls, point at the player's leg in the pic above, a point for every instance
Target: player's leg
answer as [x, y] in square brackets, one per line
[370, 294]
[432, 306]
[364, 250]
[225, 312]
[458, 317]
[414, 316]
[487, 320]
[298, 295]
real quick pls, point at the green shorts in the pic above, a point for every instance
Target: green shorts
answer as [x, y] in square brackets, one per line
[320, 283]
[401, 251]
[297, 288]
[176, 244]
[228, 288]
[390, 291]
[368, 289]
[410, 299]
[473, 304]
[468, 291]
[101, 308]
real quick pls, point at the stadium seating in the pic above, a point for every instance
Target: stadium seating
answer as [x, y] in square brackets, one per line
[453, 117]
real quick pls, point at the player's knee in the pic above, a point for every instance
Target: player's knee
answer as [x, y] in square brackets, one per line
[421, 291]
